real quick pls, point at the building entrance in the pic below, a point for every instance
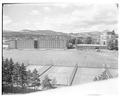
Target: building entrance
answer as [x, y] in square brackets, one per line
[36, 44]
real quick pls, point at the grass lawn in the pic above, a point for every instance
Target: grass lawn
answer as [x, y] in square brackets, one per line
[64, 57]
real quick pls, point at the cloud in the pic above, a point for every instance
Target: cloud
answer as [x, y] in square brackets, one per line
[87, 19]
[47, 8]
[6, 20]
[95, 17]
[106, 15]
[35, 12]
[67, 17]
[61, 5]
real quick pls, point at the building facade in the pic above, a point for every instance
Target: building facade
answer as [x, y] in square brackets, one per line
[39, 42]
[106, 37]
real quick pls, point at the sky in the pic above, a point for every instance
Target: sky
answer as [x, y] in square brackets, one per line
[62, 17]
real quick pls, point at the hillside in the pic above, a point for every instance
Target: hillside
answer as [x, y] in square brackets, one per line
[30, 33]
[26, 32]
[86, 34]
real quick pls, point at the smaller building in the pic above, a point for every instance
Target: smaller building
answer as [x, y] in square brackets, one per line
[90, 46]
[107, 36]
[5, 46]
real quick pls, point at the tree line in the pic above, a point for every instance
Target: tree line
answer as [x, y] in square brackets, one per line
[16, 75]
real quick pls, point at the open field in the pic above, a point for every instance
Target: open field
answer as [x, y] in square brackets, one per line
[90, 63]
[83, 58]
[85, 75]
[62, 75]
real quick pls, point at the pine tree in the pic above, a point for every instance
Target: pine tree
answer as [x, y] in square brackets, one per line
[35, 79]
[16, 74]
[4, 71]
[23, 75]
[46, 84]
[7, 71]
[10, 71]
[4, 74]
[29, 77]
[53, 82]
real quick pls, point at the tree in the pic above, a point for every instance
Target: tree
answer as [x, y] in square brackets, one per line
[113, 44]
[35, 79]
[46, 84]
[116, 44]
[23, 75]
[16, 74]
[69, 45]
[72, 41]
[10, 71]
[29, 77]
[110, 45]
[4, 74]
[7, 74]
[79, 41]
[88, 40]
[4, 71]
[53, 82]
[102, 76]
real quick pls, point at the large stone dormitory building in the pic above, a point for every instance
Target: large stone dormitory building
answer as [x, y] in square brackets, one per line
[39, 42]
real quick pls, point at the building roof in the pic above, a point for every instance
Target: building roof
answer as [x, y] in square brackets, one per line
[90, 45]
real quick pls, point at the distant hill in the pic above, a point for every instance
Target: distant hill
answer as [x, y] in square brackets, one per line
[30, 33]
[26, 32]
[94, 34]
